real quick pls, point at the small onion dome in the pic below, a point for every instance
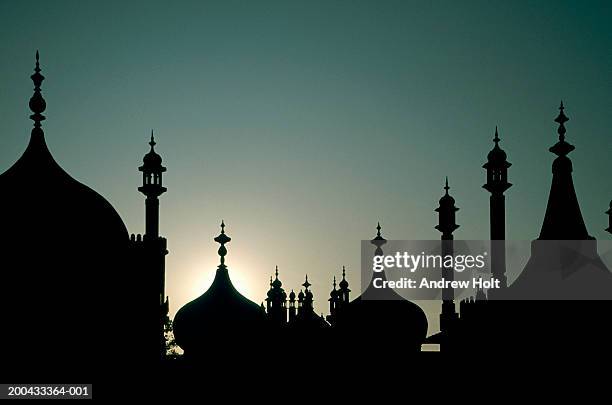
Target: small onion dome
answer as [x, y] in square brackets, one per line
[343, 283]
[497, 154]
[276, 283]
[292, 296]
[152, 159]
[300, 295]
[447, 199]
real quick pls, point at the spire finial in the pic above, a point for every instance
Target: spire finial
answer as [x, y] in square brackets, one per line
[561, 148]
[37, 102]
[334, 282]
[496, 139]
[378, 228]
[152, 142]
[343, 273]
[446, 187]
[561, 120]
[222, 239]
[276, 272]
[306, 283]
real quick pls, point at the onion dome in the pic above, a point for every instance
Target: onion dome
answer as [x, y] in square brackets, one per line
[63, 244]
[496, 156]
[447, 199]
[276, 283]
[152, 160]
[219, 315]
[292, 296]
[334, 292]
[343, 283]
[383, 312]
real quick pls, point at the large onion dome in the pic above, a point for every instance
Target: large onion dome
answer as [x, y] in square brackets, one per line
[219, 316]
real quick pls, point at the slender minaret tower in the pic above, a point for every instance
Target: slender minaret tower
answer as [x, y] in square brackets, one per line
[446, 225]
[497, 183]
[276, 302]
[153, 246]
[344, 291]
[333, 303]
[292, 307]
[609, 212]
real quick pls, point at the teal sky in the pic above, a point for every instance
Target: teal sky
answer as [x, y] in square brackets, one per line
[302, 124]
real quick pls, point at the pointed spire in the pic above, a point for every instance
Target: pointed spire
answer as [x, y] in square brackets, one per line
[446, 187]
[37, 102]
[378, 228]
[152, 142]
[276, 272]
[334, 283]
[496, 139]
[222, 239]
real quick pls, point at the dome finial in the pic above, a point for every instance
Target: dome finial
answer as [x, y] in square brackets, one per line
[152, 142]
[561, 148]
[306, 283]
[378, 228]
[343, 273]
[222, 239]
[37, 102]
[334, 284]
[276, 272]
[496, 139]
[561, 120]
[446, 187]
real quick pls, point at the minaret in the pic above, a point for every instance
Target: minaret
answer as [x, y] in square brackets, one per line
[292, 307]
[497, 183]
[343, 293]
[563, 219]
[154, 247]
[276, 302]
[308, 303]
[152, 188]
[333, 303]
[609, 212]
[446, 225]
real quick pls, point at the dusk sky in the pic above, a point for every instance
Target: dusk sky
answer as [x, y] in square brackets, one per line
[303, 123]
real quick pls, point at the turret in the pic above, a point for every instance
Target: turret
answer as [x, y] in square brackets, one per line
[446, 225]
[497, 183]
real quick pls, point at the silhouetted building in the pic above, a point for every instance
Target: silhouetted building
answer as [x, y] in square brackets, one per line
[64, 250]
[564, 262]
[150, 249]
[276, 302]
[382, 312]
[338, 299]
[497, 183]
[221, 317]
[306, 317]
[447, 225]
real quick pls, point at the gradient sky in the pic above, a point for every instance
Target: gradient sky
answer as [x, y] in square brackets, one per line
[302, 124]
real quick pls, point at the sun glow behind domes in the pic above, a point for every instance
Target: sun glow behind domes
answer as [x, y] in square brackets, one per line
[247, 281]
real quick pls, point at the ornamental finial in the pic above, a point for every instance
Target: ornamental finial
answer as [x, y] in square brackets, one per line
[152, 141]
[37, 102]
[446, 187]
[496, 139]
[222, 239]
